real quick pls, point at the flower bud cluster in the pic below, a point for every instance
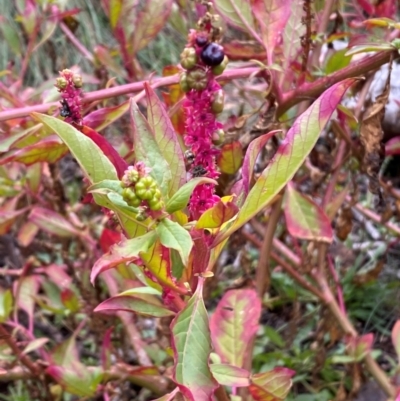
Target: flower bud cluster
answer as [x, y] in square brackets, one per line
[69, 85]
[140, 189]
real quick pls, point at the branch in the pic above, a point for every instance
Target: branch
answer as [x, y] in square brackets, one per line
[122, 90]
[314, 89]
[10, 341]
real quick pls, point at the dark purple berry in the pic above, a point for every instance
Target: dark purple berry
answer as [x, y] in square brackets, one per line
[213, 54]
[201, 41]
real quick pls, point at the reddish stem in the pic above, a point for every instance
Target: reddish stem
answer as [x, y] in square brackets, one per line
[121, 90]
[314, 89]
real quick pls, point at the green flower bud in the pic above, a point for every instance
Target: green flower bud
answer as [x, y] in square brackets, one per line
[77, 81]
[61, 83]
[155, 204]
[217, 104]
[145, 188]
[157, 194]
[219, 69]
[130, 197]
[188, 58]
[197, 79]
[184, 83]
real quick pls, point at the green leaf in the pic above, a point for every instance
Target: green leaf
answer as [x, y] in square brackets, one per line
[236, 12]
[192, 346]
[181, 198]
[370, 47]
[273, 385]
[125, 213]
[304, 218]
[126, 251]
[166, 137]
[147, 150]
[289, 157]
[337, 61]
[140, 303]
[115, 12]
[96, 166]
[172, 235]
[106, 186]
[234, 324]
[229, 375]
[6, 304]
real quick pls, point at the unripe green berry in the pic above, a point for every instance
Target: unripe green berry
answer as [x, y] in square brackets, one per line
[219, 69]
[217, 103]
[197, 79]
[184, 83]
[218, 137]
[188, 58]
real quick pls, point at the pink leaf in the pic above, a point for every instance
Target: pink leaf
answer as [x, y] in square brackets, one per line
[272, 15]
[249, 161]
[52, 222]
[396, 338]
[359, 347]
[234, 324]
[392, 147]
[149, 22]
[304, 218]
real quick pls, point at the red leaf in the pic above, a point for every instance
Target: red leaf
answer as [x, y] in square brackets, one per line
[272, 16]
[108, 238]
